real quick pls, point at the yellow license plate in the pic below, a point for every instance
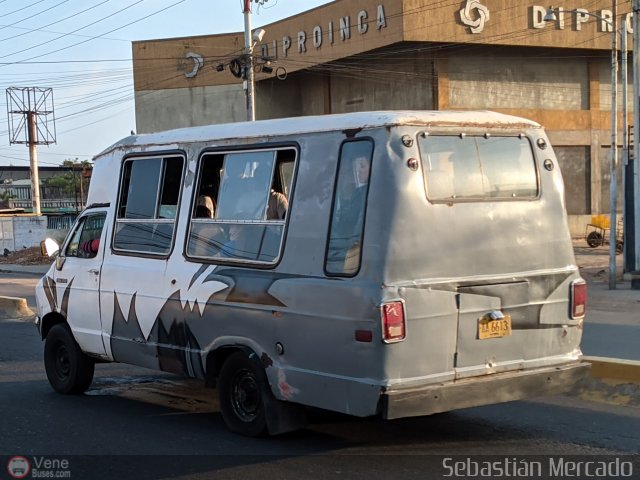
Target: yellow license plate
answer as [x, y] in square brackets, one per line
[488, 328]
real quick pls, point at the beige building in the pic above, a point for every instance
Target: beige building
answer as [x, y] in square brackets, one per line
[354, 55]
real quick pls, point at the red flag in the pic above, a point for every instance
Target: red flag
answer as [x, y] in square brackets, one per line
[247, 6]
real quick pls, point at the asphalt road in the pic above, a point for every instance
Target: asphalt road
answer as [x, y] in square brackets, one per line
[136, 423]
[19, 285]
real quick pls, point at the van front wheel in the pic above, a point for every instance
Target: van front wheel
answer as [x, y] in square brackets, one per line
[68, 369]
[241, 389]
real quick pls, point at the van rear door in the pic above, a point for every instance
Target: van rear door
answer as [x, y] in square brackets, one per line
[506, 250]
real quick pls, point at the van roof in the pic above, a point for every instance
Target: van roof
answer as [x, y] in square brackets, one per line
[323, 123]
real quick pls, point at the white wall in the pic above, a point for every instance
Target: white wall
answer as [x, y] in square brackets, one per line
[29, 231]
[23, 231]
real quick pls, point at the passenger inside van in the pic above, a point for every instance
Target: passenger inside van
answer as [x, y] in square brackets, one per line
[352, 211]
[278, 205]
[205, 208]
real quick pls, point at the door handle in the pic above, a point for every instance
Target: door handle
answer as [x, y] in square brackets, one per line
[95, 271]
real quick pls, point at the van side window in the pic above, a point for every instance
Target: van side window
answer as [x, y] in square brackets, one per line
[476, 168]
[147, 205]
[241, 204]
[85, 240]
[349, 208]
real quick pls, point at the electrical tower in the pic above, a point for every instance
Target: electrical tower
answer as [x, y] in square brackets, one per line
[31, 122]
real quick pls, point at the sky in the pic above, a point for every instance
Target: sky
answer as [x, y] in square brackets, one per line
[82, 50]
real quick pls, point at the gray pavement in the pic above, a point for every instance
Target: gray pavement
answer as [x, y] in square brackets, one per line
[38, 270]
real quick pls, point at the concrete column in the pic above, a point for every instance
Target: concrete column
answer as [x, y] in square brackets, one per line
[327, 94]
[441, 84]
[595, 183]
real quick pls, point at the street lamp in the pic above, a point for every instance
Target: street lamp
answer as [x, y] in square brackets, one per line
[550, 16]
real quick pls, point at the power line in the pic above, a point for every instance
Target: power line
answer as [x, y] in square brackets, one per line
[56, 22]
[34, 15]
[69, 33]
[22, 8]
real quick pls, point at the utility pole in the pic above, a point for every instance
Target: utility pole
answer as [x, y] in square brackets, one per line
[31, 122]
[627, 169]
[33, 162]
[82, 205]
[613, 193]
[632, 198]
[248, 50]
[627, 253]
[250, 40]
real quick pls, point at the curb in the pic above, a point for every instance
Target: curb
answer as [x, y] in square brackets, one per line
[614, 369]
[614, 381]
[13, 307]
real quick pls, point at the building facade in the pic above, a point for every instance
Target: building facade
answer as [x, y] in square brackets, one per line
[356, 55]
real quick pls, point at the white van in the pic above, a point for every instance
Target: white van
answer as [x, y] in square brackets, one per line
[384, 263]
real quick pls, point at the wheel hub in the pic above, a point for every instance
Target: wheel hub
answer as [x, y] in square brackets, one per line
[63, 363]
[245, 396]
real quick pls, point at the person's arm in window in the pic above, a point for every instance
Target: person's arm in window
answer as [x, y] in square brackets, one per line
[278, 205]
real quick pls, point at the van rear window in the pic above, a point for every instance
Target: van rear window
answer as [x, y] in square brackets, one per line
[477, 168]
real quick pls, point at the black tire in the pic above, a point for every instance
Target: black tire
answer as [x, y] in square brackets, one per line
[619, 247]
[595, 239]
[242, 388]
[69, 370]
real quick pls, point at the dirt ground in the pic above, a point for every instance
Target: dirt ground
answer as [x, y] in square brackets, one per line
[594, 262]
[26, 256]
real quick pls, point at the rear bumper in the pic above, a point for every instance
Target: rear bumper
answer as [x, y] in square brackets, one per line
[485, 390]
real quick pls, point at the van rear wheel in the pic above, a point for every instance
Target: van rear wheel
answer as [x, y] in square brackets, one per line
[68, 369]
[241, 390]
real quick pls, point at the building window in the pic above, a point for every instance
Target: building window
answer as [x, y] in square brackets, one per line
[468, 168]
[349, 209]
[241, 205]
[147, 205]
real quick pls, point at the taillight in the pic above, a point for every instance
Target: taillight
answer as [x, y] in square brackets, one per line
[578, 299]
[393, 322]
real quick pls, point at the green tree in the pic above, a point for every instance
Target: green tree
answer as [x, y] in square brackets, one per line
[70, 183]
[5, 196]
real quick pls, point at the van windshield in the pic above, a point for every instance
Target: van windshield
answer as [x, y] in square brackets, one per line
[463, 168]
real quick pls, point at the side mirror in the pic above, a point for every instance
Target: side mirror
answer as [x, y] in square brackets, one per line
[49, 248]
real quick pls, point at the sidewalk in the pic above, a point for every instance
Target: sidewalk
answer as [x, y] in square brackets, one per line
[611, 305]
[38, 270]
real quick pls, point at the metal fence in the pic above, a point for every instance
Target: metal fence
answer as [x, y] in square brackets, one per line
[60, 222]
[19, 196]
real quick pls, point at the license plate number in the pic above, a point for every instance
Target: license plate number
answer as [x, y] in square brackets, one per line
[489, 328]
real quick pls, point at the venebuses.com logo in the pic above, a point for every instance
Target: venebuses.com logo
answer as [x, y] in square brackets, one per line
[38, 467]
[18, 467]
